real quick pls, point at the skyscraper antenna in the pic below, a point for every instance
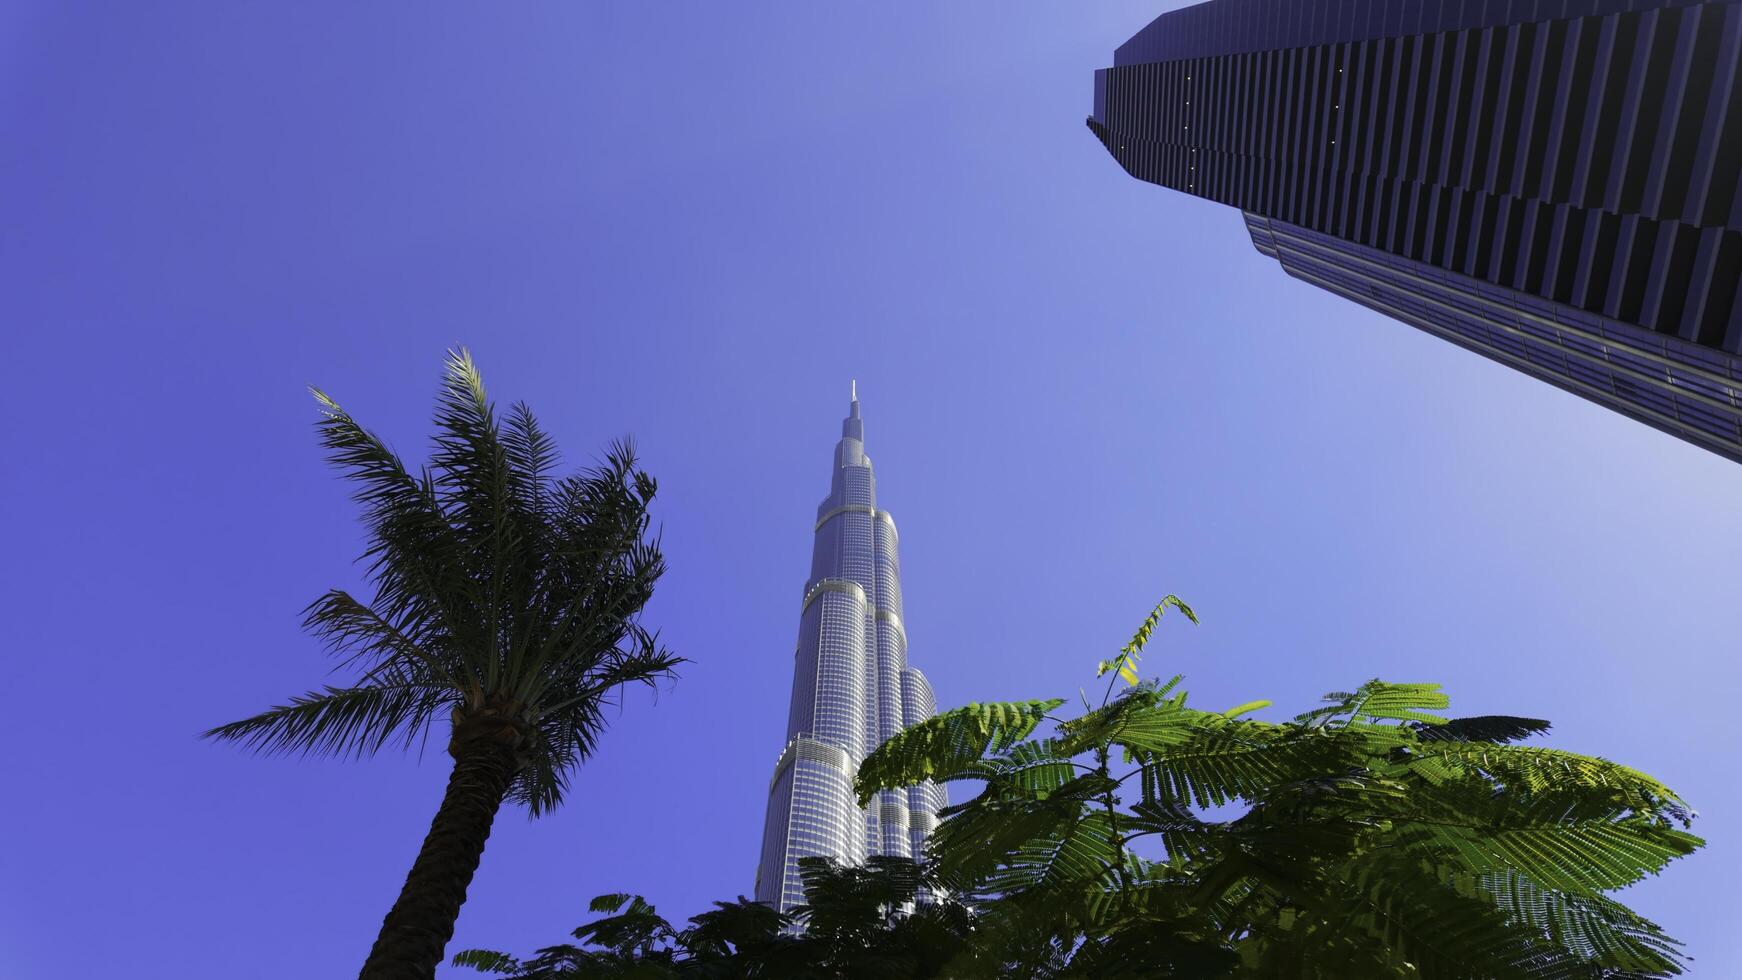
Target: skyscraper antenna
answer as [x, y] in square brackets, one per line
[855, 389]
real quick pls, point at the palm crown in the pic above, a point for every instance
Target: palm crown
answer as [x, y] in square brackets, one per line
[501, 593]
[506, 598]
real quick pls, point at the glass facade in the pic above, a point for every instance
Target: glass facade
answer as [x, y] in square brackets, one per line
[1671, 385]
[1554, 183]
[852, 688]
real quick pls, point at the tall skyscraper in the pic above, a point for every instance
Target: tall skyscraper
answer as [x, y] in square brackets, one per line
[851, 689]
[1550, 183]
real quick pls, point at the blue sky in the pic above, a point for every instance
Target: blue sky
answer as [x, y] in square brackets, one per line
[695, 224]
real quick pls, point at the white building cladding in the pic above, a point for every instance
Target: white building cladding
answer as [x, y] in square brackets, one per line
[851, 689]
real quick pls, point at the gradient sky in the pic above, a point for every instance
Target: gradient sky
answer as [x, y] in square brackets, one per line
[695, 224]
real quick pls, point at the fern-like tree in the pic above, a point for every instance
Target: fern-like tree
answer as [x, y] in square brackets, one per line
[859, 923]
[506, 604]
[1370, 837]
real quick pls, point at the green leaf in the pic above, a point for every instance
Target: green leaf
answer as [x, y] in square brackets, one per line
[1037, 768]
[1535, 769]
[609, 903]
[1249, 706]
[486, 961]
[1213, 764]
[1483, 728]
[1126, 662]
[636, 926]
[1073, 855]
[1141, 637]
[1001, 826]
[945, 745]
[1597, 930]
[1378, 700]
[1567, 839]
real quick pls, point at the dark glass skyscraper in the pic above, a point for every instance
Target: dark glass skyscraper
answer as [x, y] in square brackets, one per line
[1550, 183]
[851, 689]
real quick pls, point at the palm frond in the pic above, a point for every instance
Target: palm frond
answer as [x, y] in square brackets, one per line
[355, 721]
[569, 729]
[470, 462]
[413, 554]
[485, 503]
[644, 662]
[358, 632]
[532, 453]
[383, 485]
[544, 780]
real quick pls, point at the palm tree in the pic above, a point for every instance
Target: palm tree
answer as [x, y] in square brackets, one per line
[507, 600]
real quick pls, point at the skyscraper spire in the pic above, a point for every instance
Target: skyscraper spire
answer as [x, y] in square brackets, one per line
[851, 689]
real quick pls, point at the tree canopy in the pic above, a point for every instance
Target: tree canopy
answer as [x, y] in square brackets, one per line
[507, 604]
[1372, 835]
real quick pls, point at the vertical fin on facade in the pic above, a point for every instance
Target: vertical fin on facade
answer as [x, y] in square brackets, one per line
[1417, 158]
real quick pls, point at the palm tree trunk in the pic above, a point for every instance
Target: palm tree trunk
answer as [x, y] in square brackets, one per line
[417, 929]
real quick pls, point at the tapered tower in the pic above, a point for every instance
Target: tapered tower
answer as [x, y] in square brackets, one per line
[851, 689]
